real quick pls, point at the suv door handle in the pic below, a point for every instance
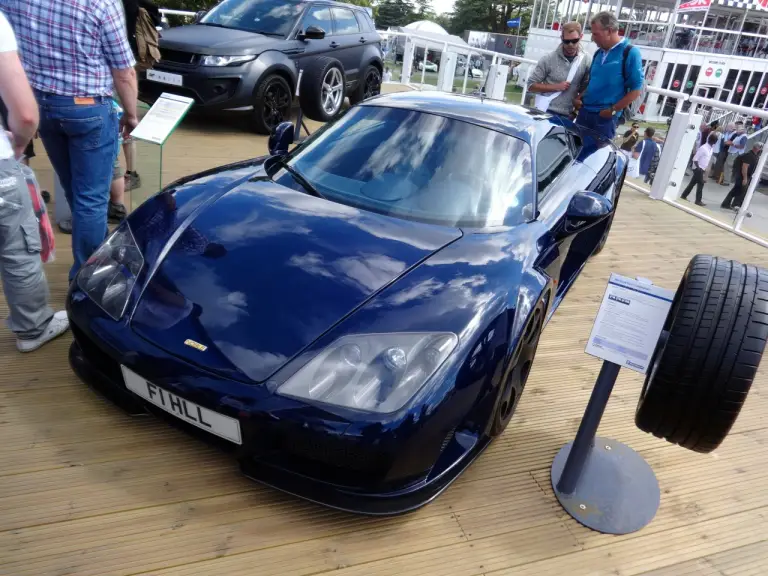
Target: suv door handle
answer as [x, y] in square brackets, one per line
[334, 45]
[362, 39]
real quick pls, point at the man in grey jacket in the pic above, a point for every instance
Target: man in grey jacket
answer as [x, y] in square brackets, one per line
[550, 77]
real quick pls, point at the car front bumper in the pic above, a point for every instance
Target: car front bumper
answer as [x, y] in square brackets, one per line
[286, 445]
[212, 88]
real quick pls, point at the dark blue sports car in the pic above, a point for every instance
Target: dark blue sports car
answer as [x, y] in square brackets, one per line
[355, 318]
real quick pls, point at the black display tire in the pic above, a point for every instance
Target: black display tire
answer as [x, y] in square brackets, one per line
[272, 102]
[514, 381]
[711, 346]
[368, 87]
[311, 91]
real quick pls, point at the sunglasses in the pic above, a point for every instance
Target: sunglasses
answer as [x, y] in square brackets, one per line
[574, 41]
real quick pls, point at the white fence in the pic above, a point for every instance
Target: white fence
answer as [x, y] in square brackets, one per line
[681, 157]
[431, 43]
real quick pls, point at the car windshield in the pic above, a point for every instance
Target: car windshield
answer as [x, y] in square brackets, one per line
[273, 17]
[418, 166]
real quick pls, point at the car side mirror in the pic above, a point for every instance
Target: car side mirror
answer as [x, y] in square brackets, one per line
[312, 33]
[199, 16]
[281, 139]
[584, 211]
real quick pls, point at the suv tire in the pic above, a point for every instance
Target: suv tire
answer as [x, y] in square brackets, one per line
[271, 103]
[322, 91]
[708, 354]
[369, 85]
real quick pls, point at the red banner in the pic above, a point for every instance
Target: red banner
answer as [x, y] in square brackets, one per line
[694, 6]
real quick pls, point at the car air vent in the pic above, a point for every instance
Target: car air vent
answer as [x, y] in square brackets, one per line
[178, 57]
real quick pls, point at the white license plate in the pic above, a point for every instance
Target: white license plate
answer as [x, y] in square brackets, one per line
[213, 422]
[165, 77]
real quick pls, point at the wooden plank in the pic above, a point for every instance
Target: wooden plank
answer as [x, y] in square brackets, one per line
[749, 560]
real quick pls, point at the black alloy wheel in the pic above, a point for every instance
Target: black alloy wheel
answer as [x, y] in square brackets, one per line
[372, 86]
[514, 384]
[272, 103]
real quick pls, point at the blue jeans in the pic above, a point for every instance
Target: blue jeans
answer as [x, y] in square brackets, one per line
[593, 120]
[82, 143]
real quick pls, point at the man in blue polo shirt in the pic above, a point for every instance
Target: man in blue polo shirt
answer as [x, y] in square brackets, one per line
[610, 88]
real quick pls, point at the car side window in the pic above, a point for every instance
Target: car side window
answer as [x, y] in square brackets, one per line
[553, 156]
[319, 16]
[345, 21]
[362, 21]
[576, 143]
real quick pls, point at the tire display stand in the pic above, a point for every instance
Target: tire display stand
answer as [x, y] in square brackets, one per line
[705, 357]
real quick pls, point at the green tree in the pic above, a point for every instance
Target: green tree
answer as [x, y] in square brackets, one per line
[394, 13]
[490, 15]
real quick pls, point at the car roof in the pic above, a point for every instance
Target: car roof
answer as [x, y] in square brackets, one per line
[518, 121]
[332, 3]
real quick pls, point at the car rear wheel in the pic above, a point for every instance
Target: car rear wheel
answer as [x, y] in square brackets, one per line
[707, 357]
[522, 361]
[322, 91]
[271, 103]
[369, 86]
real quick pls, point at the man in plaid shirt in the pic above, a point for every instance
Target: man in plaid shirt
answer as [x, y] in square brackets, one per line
[75, 53]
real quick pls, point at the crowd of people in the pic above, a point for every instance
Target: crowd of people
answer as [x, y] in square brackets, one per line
[594, 91]
[728, 158]
[64, 64]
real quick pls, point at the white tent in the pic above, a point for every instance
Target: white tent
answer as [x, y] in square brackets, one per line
[433, 37]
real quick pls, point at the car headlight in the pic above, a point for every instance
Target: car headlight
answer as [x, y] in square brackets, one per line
[226, 60]
[371, 372]
[109, 274]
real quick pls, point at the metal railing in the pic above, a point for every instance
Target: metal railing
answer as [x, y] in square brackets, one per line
[462, 49]
[674, 148]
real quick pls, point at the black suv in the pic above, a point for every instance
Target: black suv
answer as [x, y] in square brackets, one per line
[247, 55]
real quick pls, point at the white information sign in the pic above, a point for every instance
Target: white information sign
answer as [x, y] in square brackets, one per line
[162, 118]
[629, 322]
[713, 72]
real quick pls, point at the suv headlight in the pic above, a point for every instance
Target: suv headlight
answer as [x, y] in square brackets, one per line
[226, 60]
[110, 273]
[371, 372]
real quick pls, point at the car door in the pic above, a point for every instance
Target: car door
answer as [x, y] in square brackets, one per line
[349, 40]
[316, 15]
[558, 177]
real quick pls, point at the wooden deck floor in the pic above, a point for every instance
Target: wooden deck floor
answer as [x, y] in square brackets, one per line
[86, 490]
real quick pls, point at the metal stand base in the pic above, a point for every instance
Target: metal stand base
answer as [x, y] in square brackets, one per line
[617, 492]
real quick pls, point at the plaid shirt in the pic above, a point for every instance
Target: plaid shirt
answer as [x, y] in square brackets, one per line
[68, 47]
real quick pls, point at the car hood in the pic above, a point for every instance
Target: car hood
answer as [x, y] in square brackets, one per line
[202, 39]
[260, 273]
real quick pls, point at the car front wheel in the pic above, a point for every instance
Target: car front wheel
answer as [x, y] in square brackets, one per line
[369, 86]
[271, 103]
[514, 383]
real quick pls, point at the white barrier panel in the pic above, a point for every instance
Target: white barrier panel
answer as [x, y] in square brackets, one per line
[447, 71]
[668, 182]
[496, 84]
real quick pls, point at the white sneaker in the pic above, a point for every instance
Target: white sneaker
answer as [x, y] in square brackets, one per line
[56, 327]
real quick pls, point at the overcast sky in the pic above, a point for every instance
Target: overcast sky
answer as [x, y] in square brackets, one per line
[441, 6]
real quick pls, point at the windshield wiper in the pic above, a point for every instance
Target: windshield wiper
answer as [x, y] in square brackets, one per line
[214, 24]
[264, 33]
[299, 177]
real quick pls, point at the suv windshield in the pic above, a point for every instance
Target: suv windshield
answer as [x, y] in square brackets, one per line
[418, 166]
[272, 17]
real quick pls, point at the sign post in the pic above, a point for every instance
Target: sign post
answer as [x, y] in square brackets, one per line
[602, 483]
[150, 136]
